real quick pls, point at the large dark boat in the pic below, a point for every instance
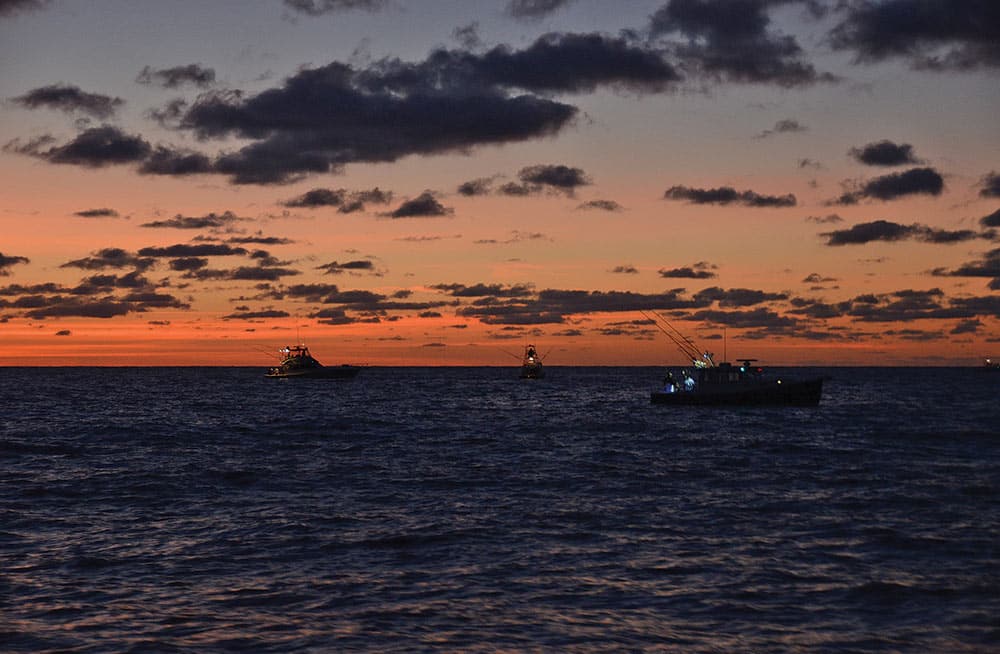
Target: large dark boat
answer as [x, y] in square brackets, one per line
[715, 384]
[296, 362]
[531, 364]
[742, 385]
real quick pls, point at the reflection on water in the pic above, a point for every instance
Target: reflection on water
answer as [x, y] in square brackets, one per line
[464, 509]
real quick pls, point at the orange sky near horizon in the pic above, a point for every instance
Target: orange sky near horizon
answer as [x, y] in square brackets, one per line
[817, 208]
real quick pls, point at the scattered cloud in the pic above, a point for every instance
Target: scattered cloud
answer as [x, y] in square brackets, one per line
[97, 213]
[70, 99]
[111, 258]
[990, 185]
[345, 201]
[885, 153]
[699, 270]
[916, 181]
[321, 7]
[7, 261]
[884, 230]
[601, 205]
[196, 250]
[992, 220]
[94, 148]
[728, 195]
[936, 35]
[12, 7]
[626, 270]
[532, 10]
[172, 78]
[786, 126]
[424, 205]
[211, 220]
[731, 41]
[829, 219]
[335, 268]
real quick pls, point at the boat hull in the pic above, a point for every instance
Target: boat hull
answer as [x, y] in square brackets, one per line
[785, 393]
[331, 372]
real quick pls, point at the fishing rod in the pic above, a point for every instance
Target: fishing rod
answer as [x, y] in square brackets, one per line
[684, 345]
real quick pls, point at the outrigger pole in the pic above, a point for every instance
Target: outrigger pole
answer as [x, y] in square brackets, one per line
[683, 343]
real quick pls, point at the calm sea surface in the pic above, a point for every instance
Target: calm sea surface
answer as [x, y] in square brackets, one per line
[463, 509]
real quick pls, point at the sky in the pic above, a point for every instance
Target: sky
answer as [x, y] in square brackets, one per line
[804, 182]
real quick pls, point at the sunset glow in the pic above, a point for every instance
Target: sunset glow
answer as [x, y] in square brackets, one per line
[435, 183]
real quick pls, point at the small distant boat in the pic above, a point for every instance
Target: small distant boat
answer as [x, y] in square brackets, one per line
[725, 384]
[296, 362]
[991, 364]
[531, 364]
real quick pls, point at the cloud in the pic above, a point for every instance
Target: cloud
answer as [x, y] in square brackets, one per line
[992, 220]
[816, 278]
[970, 326]
[184, 264]
[485, 290]
[198, 250]
[534, 9]
[424, 205]
[753, 318]
[93, 148]
[938, 35]
[323, 118]
[825, 220]
[736, 297]
[346, 201]
[728, 40]
[885, 153]
[178, 163]
[786, 126]
[559, 177]
[700, 270]
[883, 230]
[97, 213]
[552, 306]
[60, 307]
[7, 261]
[516, 236]
[63, 332]
[70, 99]
[601, 205]
[474, 187]
[211, 220]
[627, 270]
[172, 78]
[916, 181]
[335, 268]
[111, 258]
[256, 315]
[243, 273]
[728, 195]
[991, 185]
[987, 266]
[321, 7]
[11, 7]
[555, 62]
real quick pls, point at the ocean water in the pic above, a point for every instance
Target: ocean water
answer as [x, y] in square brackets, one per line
[465, 510]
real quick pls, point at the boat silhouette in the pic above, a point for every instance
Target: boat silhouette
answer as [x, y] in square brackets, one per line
[714, 384]
[297, 362]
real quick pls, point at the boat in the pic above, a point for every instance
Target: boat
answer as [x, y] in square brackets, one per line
[531, 364]
[991, 364]
[742, 385]
[715, 384]
[296, 362]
